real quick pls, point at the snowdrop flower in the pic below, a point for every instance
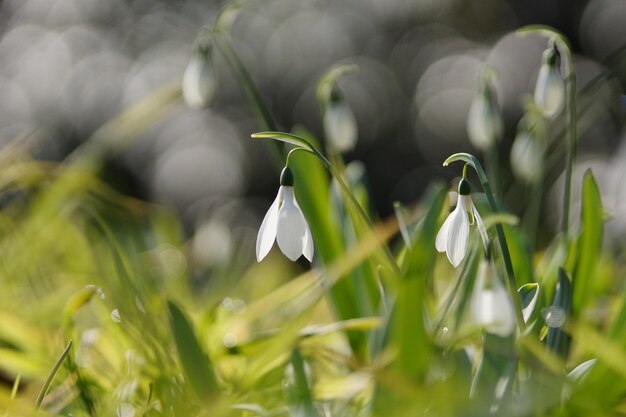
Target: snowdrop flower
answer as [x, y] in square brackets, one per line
[340, 127]
[550, 87]
[199, 82]
[285, 223]
[527, 157]
[491, 307]
[453, 238]
[484, 120]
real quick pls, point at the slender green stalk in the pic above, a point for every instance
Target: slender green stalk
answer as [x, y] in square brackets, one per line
[506, 256]
[493, 162]
[51, 375]
[571, 144]
[248, 87]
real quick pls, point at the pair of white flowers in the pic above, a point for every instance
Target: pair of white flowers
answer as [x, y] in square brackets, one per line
[285, 224]
[491, 307]
[484, 121]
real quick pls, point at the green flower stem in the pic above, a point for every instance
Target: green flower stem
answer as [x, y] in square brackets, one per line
[571, 142]
[248, 86]
[493, 161]
[506, 256]
[304, 145]
[570, 98]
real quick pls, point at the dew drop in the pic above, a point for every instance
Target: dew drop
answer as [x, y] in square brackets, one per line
[554, 316]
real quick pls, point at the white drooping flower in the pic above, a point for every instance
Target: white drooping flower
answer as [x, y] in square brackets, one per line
[484, 120]
[491, 306]
[285, 223]
[199, 81]
[550, 87]
[527, 157]
[340, 128]
[453, 237]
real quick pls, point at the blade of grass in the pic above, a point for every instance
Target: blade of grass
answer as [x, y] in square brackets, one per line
[193, 360]
[51, 375]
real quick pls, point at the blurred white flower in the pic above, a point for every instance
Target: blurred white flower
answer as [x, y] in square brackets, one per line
[527, 157]
[199, 82]
[491, 307]
[484, 120]
[453, 237]
[550, 87]
[285, 223]
[340, 128]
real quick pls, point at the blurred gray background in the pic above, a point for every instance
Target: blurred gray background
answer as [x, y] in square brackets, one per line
[68, 66]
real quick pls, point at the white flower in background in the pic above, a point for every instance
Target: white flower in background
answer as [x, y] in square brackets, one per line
[340, 128]
[285, 223]
[550, 87]
[527, 157]
[199, 82]
[491, 307]
[484, 120]
[453, 237]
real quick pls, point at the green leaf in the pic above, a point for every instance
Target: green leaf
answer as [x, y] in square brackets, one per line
[495, 374]
[51, 375]
[193, 360]
[409, 331]
[529, 294]
[287, 138]
[558, 340]
[589, 244]
[298, 390]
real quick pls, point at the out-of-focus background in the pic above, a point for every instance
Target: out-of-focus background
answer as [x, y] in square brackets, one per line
[68, 66]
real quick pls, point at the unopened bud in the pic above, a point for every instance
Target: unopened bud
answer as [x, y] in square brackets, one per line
[340, 126]
[199, 82]
[550, 87]
[527, 157]
[484, 121]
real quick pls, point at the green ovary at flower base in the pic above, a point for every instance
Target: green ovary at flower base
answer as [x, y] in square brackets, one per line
[285, 223]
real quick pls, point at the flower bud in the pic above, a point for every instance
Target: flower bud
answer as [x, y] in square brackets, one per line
[199, 82]
[550, 87]
[484, 121]
[340, 127]
[526, 157]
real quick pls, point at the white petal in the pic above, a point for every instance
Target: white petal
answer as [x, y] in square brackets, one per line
[292, 228]
[458, 235]
[481, 227]
[308, 245]
[308, 238]
[267, 232]
[441, 242]
[492, 308]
